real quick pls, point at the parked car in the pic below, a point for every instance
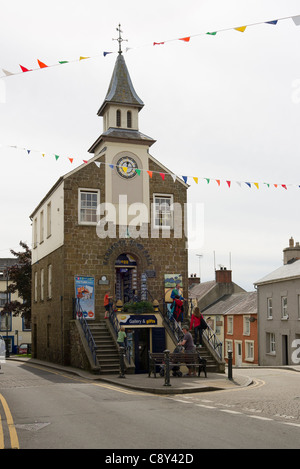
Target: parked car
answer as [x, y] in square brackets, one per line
[24, 349]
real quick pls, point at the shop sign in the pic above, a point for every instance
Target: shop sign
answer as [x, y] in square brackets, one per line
[85, 292]
[138, 320]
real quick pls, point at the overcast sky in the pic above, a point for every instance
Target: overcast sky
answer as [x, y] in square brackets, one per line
[222, 107]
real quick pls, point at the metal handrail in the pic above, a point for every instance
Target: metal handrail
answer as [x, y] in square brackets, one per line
[116, 327]
[213, 341]
[78, 314]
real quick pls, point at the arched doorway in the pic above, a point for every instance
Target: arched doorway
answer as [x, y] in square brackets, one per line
[126, 274]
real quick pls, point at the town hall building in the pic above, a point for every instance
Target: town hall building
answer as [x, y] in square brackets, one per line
[115, 223]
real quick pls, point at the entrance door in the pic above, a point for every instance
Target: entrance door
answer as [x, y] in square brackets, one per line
[238, 353]
[285, 353]
[141, 347]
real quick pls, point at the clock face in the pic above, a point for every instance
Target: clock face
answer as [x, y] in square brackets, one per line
[126, 167]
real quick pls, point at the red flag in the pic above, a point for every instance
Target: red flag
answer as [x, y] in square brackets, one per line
[41, 64]
[71, 160]
[228, 182]
[284, 186]
[218, 181]
[85, 161]
[162, 176]
[186, 39]
[24, 69]
[150, 173]
[157, 43]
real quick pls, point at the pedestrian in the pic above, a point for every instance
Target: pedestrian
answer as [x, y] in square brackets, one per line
[178, 309]
[176, 291]
[121, 340]
[189, 347]
[107, 303]
[196, 322]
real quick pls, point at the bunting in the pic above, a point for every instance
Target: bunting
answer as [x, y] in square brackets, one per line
[185, 39]
[163, 175]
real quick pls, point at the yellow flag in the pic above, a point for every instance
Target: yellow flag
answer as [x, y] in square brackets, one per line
[82, 58]
[125, 168]
[256, 184]
[241, 28]
[195, 179]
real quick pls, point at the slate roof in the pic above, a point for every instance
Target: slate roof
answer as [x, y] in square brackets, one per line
[237, 303]
[285, 272]
[121, 90]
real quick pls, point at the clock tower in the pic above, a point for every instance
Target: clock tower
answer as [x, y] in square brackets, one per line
[121, 146]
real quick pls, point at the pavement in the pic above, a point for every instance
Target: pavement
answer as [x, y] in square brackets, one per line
[144, 383]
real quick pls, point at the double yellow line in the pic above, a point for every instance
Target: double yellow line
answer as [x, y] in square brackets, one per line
[14, 441]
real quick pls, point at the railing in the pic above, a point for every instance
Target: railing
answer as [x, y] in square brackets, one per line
[213, 341]
[78, 314]
[116, 327]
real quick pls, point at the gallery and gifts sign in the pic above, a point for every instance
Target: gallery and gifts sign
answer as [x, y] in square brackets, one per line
[85, 294]
[138, 320]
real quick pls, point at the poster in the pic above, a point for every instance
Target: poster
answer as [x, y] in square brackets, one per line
[85, 292]
[171, 281]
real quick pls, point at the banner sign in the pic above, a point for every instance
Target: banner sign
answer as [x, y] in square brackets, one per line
[138, 320]
[85, 292]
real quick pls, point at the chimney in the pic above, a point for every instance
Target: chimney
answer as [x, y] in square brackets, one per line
[292, 253]
[193, 280]
[223, 275]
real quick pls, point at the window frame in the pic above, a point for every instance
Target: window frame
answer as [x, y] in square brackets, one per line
[82, 191]
[165, 196]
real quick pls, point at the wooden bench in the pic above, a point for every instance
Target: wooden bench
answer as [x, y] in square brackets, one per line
[177, 360]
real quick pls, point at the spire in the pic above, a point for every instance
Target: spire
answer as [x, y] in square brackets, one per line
[121, 90]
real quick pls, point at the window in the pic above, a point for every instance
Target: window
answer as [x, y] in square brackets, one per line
[163, 211]
[118, 118]
[284, 314]
[246, 325]
[88, 202]
[35, 286]
[228, 347]
[41, 226]
[2, 299]
[5, 322]
[129, 119]
[249, 350]
[48, 219]
[269, 308]
[229, 324]
[49, 281]
[35, 232]
[271, 343]
[42, 284]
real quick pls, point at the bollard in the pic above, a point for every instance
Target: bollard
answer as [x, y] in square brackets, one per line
[122, 364]
[167, 367]
[229, 364]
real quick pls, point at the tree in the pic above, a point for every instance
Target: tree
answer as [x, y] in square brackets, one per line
[20, 276]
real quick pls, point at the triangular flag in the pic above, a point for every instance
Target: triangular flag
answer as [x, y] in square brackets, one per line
[218, 181]
[63, 61]
[296, 20]
[28, 151]
[43, 154]
[207, 180]
[241, 28]
[272, 22]
[6, 72]
[138, 171]
[228, 182]
[41, 64]
[256, 184]
[97, 163]
[82, 58]
[239, 183]
[56, 157]
[125, 168]
[24, 69]
[71, 160]
[284, 186]
[248, 184]
[162, 176]
[195, 179]
[186, 39]
[276, 185]
[150, 173]
[267, 184]
[173, 176]
[212, 34]
[184, 178]
[111, 166]
[85, 161]
[157, 43]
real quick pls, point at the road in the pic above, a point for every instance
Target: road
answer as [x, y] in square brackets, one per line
[43, 408]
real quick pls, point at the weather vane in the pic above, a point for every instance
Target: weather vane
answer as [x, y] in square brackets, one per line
[120, 39]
